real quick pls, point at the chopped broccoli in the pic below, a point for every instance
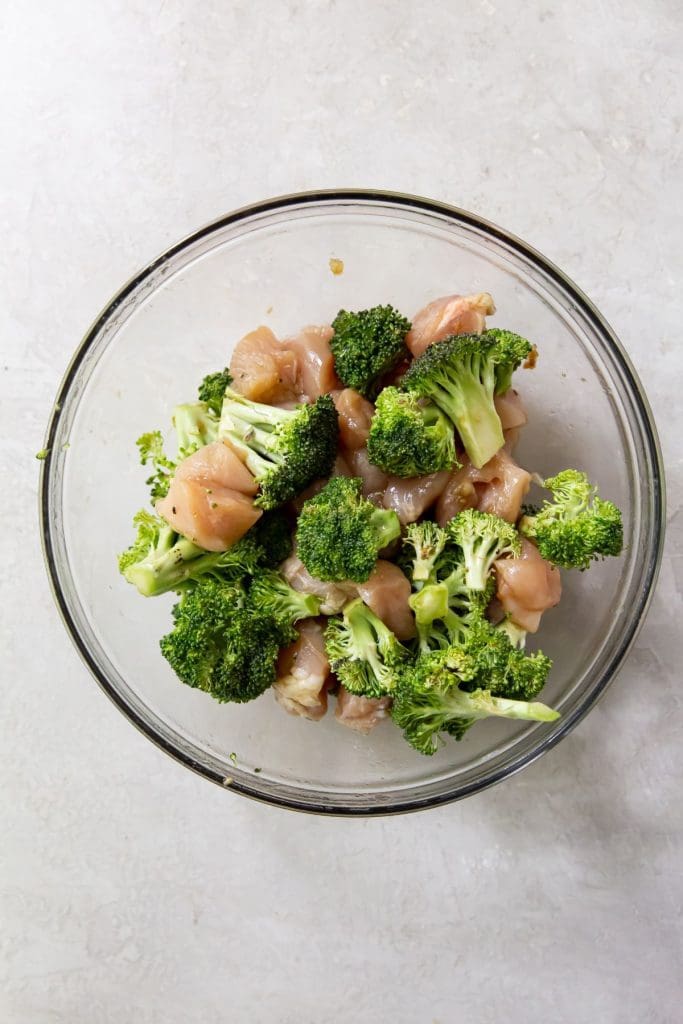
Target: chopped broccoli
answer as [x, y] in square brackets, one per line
[160, 560]
[195, 426]
[366, 345]
[502, 667]
[577, 526]
[220, 645]
[511, 351]
[515, 634]
[151, 448]
[410, 436]
[462, 375]
[482, 538]
[273, 533]
[430, 699]
[364, 654]
[212, 389]
[269, 592]
[445, 609]
[340, 533]
[284, 449]
[423, 546]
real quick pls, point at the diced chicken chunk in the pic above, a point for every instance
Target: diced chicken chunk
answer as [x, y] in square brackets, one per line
[360, 713]
[498, 487]
[355, 415]
[452, 314]
[316, 375]
[510, 409]
[410, 498]
[263, 369]
[374, 479]
[302, 671]
[527, 586]
[209, 500]
[386, 592]
[334, 595]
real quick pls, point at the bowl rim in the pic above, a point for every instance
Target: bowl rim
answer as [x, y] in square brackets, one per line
[653, 454]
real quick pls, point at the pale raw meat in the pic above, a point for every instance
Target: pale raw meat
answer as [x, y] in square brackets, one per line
[211, 517]
[452, 314]
[263, 369]
[374, 480]
[386, 592]
[316, 375]
[360, 713]
[498, 487]
[334, 595]
[410, 498]
[527, 586]
[209, 500]
[217, 463]
[510, 409]
[355, 416]
[302, 671]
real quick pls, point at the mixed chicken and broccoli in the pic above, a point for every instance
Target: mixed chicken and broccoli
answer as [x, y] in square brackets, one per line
[344, 517]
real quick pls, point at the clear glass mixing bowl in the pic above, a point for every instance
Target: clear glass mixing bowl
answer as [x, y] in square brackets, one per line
[178, 319]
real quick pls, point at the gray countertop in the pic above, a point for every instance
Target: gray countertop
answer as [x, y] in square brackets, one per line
[132, 891]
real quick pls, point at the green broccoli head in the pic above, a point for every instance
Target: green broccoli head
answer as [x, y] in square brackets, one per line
[410, 436]
[576, 526]
[212, 389]
[273, 533]
[367, 345]
[151, 448]
[340, 534]
[270, 594]
[446, 609]
[462, 376]
[431, 698]
[422, 550]
[364, 654]
[220, 645]
[501, 666]
[511, 351]
[160, 560]
[284, 449]
[482, 538]
[195, 426]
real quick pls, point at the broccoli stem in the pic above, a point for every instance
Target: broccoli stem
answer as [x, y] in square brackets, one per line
[386, 525]
[170, 565]
[468, 400]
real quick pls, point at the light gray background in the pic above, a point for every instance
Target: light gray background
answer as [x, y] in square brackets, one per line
[132, 891]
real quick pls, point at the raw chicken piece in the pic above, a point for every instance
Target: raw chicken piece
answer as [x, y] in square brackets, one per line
[302, 671]
[510, 409]
[217, 463]
[411, 497]
[386, 592]
[360, 713]
[527, 586]
[334, 595]
[452, 314]
[209, 499]
[316, 374]
[355, 416]
[264, 370]
[374, 480]
[211, 517]
[498, 487]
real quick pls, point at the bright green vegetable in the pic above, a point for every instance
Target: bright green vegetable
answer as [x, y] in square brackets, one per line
[410, 436]
[364, 653]
[367, 345]
[270, 593]
[482, 538]
[576, 526]
[212, 389]
[340, 533]
[284, 449]
[462, 375]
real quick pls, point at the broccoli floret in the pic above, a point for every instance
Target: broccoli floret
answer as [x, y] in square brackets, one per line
[462, 375]
[511, 351]
[195, 426]
[445, 609]
[366, 345]
[269, 592]
[219, 644]
[430, 699]
[423, 546]
[501, 666]
[515, 634]
[274, 535]
[160, 560]
[410, 436]
[151, 448]
[284, 449]
[340, 533]
[482, 538]
[212, 389]
[577, 526]
[364, 653]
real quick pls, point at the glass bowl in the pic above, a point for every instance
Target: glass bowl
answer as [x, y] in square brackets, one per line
[178, 319]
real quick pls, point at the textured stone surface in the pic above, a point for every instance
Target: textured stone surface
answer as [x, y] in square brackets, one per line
[131, 890]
